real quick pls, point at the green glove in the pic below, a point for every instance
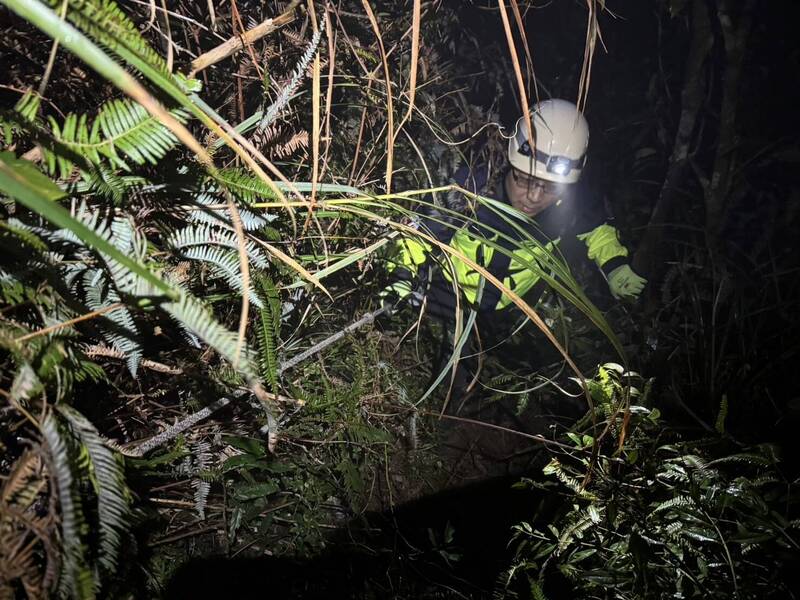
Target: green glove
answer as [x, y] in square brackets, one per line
[624, 283]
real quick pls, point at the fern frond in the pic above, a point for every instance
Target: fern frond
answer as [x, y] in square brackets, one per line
[297, 142]
[268, 333]
[127, 239]
[224, 264]
[204, 235]
[575, 530]
[246, 186]
[105, 21]
[288, 91]
[121, 127]
[25, 385]
[196, 318]
[23, 234]
[113, 496]
[677, 502]
[21, 492]
[197, 462]
[27, 107]
[220, 218]
[16, 487]
[100, 295]
[76, 578]
[744, 458]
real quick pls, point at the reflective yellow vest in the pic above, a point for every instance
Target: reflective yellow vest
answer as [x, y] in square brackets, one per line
[529, 246]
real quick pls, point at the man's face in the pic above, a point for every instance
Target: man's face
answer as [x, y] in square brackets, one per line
[531, 195]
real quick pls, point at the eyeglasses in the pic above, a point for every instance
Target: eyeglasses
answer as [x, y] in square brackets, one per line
[525, 180]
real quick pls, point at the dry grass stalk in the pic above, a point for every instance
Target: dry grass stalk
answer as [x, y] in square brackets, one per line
[523, 97]
[528, 58]
[389, 108]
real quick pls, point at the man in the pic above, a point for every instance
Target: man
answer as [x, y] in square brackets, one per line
[544, 184]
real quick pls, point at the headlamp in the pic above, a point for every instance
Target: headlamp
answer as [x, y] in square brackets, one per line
[558, 165]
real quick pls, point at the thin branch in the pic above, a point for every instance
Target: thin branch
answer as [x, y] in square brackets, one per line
[184, 424]
[58, 326]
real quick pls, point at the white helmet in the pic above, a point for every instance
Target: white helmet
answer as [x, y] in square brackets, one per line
[560, 136]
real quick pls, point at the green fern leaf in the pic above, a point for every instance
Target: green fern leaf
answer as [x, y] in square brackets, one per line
[245, 186]
[204, 235]
[121, 127]
[196, 317]
[76, 578]
[269, 332]
[105, 21]
[677, 502]
[225, 265]
[113, 496]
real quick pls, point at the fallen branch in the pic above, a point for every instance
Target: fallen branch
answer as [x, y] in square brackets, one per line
[239, 42]
[171, 433]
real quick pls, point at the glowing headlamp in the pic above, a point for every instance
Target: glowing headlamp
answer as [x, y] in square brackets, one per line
[558, 165]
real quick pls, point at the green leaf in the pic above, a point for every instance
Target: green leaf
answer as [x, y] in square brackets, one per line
[235, 463]
[76, 574]
[34, 179]
[256, 490]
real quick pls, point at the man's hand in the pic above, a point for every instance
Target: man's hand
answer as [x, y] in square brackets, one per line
[624, 283]
[394, 293]
[398, 292]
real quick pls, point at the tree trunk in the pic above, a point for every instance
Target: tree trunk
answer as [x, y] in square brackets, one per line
[734, 36]
[647, 259]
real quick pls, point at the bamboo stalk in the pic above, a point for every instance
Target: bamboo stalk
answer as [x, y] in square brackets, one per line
[239, 42]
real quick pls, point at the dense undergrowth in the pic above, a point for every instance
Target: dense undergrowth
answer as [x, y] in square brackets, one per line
[179, 224]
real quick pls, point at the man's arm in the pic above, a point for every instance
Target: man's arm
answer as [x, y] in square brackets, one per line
[604, 248]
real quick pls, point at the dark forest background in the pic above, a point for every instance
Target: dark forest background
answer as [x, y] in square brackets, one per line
[350, 474]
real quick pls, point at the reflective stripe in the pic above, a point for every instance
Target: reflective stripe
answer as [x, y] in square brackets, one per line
[467, 277]
[603, 244]
[521, 278]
